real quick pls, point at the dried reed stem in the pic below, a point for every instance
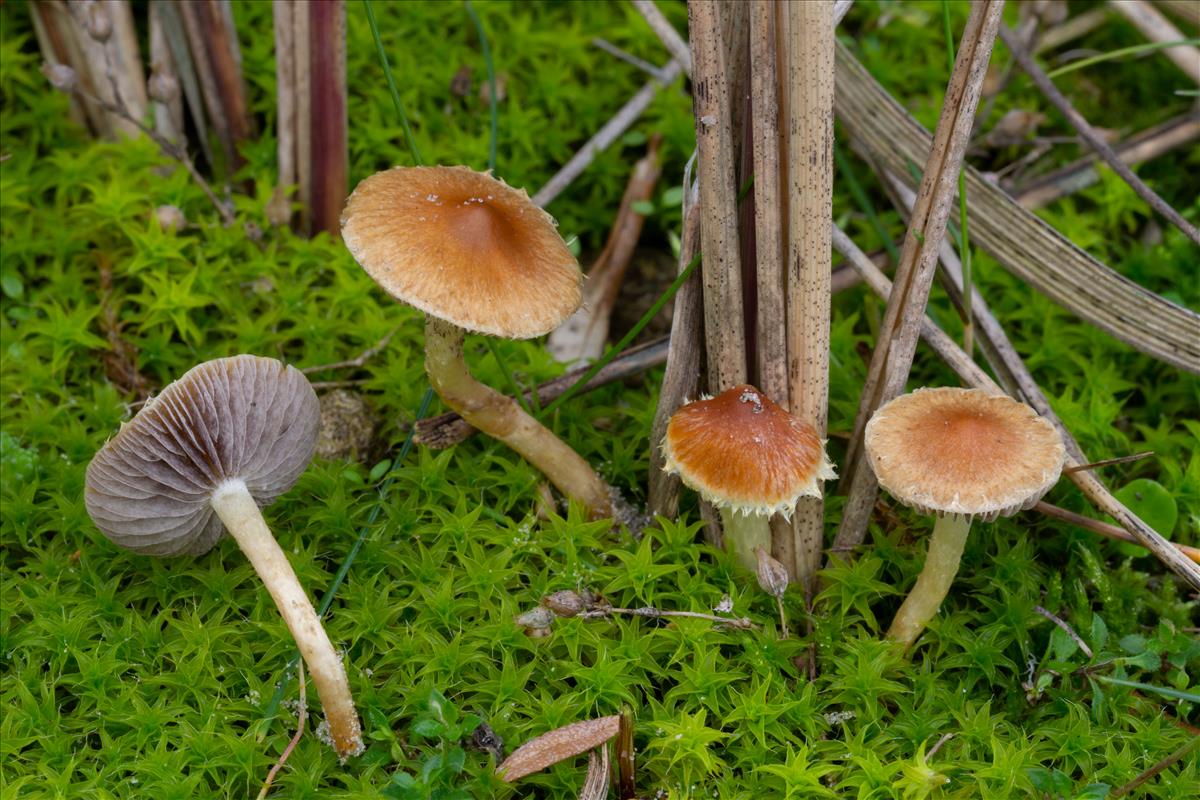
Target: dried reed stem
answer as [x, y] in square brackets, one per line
[898, 334]
[681, 379]
[810, 215]
[721, 272]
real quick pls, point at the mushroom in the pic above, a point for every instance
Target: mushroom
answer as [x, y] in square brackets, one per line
[961, 454]
[230, 436]
[475, 255]
[749, 458]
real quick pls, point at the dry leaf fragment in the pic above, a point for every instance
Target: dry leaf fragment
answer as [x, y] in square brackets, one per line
[558, 745]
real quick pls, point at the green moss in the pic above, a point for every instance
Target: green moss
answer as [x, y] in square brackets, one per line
[125, 676]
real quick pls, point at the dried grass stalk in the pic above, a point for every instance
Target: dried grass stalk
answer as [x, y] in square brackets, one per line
[810, 204]
[898, 334]
[723, 311]
[681, 379]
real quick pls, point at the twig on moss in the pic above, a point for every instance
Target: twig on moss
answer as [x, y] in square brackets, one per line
[1067, 629]
[897, 341]
[1080, 174]
[601, 612]
[1092, 136]
[1105, 529]
[358, 361]
[938, 746]
[607, 134]
[666, 33]
[629, 58]
[1108, 462]
[302, 717]
[1157, 768]
[169, 148]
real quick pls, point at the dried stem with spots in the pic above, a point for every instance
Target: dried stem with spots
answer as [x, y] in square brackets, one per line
[901, 326]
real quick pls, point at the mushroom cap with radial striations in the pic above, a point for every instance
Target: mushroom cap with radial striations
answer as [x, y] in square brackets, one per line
[242, 418]
[963, 451]
[464, 247]
[741, 451]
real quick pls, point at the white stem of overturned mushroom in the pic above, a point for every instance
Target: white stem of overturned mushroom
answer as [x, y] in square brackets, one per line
[236, 508]
[745, 533]
[933, 584]
[500, 417]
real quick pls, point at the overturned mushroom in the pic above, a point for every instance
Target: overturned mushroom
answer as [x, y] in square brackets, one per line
[475, 255]
[748, 457]
[960, 454]
[230, 436]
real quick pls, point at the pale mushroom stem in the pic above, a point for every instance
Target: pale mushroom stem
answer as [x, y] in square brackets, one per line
[744, 533]
[501, 418]
[236, 508]
[933, 584]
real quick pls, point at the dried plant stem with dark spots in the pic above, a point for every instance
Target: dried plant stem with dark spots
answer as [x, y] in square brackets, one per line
[501, 418]
[809, 257]
[1093, 137]
[724, 328]
[897, 341]
[972, 375]
[681, 379]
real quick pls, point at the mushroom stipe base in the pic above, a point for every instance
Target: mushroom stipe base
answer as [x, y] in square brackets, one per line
[744, 533]
[501, 418]
[244, 521]
[933, 584]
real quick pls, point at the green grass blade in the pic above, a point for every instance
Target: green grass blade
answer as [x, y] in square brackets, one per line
[616, 349]
[864, 203]
[491, 76]
[1136, 49]
[344, 568]
[1164, 691]
[391, 82]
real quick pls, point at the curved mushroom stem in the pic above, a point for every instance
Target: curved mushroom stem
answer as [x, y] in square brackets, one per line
[933, 584]
[237, 509]
[744, 533]
[501, 418]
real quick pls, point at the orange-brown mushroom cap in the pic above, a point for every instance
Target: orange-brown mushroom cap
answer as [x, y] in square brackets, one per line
[741, 451]
[963, 451]
[464, 247]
